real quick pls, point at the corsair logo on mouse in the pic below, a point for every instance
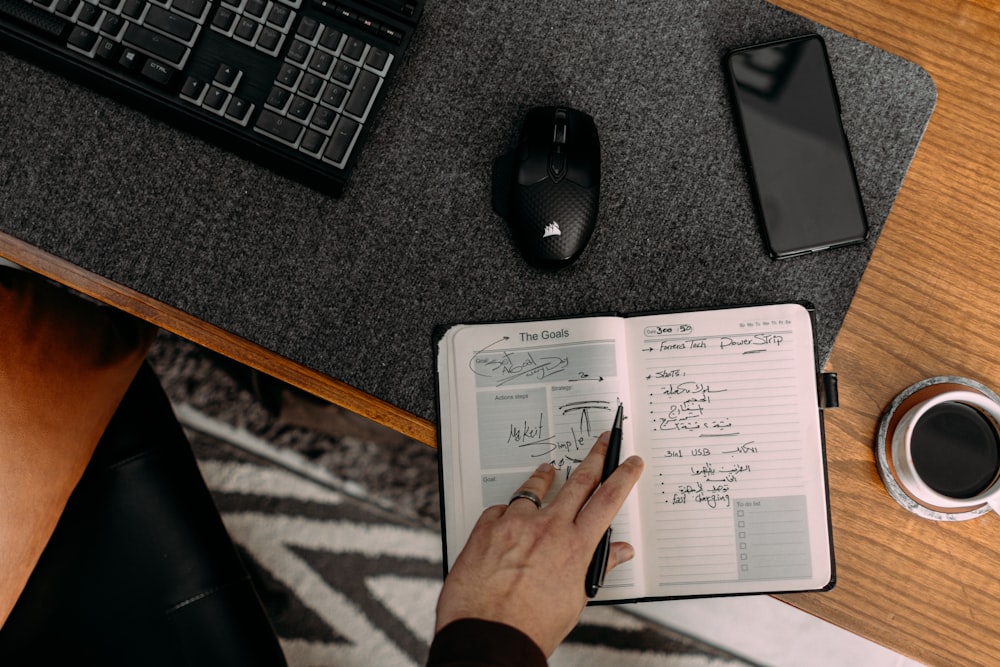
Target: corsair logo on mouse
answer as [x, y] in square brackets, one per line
[552, 229]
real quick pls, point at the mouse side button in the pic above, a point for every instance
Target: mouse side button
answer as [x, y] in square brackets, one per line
[503, 172]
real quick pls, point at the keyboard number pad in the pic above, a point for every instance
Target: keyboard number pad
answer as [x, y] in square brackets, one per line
[323, 92]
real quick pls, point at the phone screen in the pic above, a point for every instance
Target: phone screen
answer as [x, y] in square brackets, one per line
[788, 114]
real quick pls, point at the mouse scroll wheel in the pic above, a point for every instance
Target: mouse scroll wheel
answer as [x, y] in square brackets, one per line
[560, 129]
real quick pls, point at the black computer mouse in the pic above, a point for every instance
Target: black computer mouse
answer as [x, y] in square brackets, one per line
[548, 187]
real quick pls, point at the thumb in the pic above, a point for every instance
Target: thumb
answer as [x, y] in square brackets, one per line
[621, 552]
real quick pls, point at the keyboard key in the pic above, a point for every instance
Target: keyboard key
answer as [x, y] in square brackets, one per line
[216, 98]
[67, 7]
[224, 20]
[157, 72]
[131, 60]
[344, 72]
[377, 59]
[156, 44]
[300, 108]
[255, 7]
[334, 95]
[278, 98]
[239, 110]
[354, 49]
[227, 77]
[89, 16]
[310, 86]
[288, 75]
[307, 28]
[82, 38]
[298, 52]
[331, 39]
[312, 142]
[321, 62]
[323, 118]
[194, 8]
[269, 39]
[361, 97]
[278, 127]
[246, 29]
[107, 49]
[340, 143]
[170, 23]
[194, 89]
[133, 8]
[112, 25]
[279, 16]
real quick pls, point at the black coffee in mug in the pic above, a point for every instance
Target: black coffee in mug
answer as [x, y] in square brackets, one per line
[956, 449]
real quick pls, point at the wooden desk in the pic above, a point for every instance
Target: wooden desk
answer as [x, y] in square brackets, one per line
[924, 308]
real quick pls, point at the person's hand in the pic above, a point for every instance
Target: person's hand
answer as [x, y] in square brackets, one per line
[525, 566]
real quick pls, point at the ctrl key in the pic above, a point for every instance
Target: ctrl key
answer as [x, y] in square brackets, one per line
[279, 127]
[157, 72]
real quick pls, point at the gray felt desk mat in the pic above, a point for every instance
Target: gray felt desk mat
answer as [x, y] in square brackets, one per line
[353, 287]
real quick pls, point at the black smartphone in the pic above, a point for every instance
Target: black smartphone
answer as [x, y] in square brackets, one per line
[801, 171]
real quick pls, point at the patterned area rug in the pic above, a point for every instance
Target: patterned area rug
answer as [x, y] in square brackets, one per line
[337, 519]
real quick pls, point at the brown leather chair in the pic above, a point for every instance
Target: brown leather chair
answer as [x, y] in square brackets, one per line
[140, 569]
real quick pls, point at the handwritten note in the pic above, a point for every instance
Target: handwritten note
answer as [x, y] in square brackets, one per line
[543, 402]
[722, 422]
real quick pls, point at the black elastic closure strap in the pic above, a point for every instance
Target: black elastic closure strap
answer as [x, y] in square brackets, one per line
[828, 395]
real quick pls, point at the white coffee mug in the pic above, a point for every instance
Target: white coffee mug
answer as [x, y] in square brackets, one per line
[902, 454]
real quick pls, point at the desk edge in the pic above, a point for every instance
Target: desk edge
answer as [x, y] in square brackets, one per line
[216, 339]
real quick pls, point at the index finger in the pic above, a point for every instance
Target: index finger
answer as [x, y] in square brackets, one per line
[582, 482]
[598, 513]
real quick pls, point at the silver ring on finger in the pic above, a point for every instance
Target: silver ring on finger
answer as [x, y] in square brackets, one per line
[527, 495]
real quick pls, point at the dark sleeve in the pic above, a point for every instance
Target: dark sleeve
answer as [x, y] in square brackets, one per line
[472, 642]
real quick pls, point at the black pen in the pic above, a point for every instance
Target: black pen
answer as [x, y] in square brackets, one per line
[598, 565]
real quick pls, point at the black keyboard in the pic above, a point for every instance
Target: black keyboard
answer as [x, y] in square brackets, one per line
[291, 84]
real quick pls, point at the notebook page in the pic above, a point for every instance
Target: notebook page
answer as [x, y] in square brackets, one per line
[528, 393]
[734, 494]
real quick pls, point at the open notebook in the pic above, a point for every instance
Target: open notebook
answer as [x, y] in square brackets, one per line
[723, 406]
